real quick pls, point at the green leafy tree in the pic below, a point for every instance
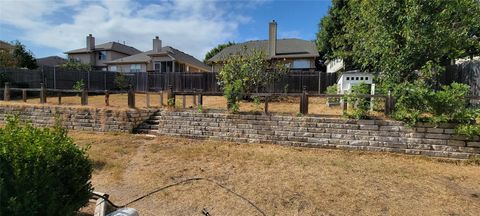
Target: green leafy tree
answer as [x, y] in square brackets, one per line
[24, 57]
[42, 171]
[6, 59]
[76, 65]
[331, 41]
[121, 81]
[401, 40]
[248, 72]
[17, 56]
[216, 50]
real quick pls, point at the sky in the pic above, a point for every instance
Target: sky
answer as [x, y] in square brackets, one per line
[52, 27]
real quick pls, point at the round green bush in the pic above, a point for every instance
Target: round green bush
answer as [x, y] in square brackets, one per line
[42, 171]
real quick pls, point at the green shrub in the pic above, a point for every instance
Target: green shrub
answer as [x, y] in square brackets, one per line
[412, 101]
[361, 105]
[333, 90]
[416, 102]
[79, 85]
[42, 172]
[121, 81]
[468, 130]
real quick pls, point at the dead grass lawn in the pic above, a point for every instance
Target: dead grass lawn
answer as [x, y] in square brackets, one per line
[279, 180]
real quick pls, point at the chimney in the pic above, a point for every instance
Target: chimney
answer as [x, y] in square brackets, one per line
[272, 38]
[157, 45]
[90, 42]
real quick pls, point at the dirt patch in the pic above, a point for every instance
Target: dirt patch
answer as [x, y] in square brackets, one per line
[278, 180]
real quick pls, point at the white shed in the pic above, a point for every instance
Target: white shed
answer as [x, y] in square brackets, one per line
[351, 78]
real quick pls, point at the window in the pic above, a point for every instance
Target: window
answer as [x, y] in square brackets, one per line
[356, 78]
[135, 68]
[102, 55]
[113, 68]
[361, 78]
[165, 66]
[348, 78]
[301, 63]
[366, 78]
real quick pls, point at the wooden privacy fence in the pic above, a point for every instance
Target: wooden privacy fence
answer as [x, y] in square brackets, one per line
[59, 78]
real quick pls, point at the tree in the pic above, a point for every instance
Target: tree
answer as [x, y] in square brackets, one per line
[6, 59]
[247, 72]
[216, 50]
[24, 58]
[76, 65]
[330, 37]
[398, 38]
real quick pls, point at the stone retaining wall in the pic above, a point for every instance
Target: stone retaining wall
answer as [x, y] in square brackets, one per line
[79, 118]
[371, 135]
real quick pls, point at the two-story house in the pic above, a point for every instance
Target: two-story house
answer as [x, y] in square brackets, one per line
[161, 59]
[299, 54]
[98, 55]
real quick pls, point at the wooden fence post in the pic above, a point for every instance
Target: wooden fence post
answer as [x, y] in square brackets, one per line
[184, 101]
[24, 95]
[147, 99]
[266, 105]
[107, 98]
[171, 96]
[59, 94]
[304, 101]
[131, 97]
[6, 92]
[344, 106]
[200, 99]
[161, 98]
[43, 93]
[84, 98]
[387, 104]
[194, 98]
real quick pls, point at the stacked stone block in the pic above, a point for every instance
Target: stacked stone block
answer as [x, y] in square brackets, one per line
[369, 135]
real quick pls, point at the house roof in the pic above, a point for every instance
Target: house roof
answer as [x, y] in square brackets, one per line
[178, 55]
[51, 61]
[5, 46]
[286, 48]
[114, 46]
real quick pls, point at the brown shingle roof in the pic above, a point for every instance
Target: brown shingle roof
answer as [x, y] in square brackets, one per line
[114, 46]
[175, 53]
[286, 48]
[51, 61]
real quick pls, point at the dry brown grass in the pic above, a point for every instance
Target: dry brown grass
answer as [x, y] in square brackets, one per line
[279, 180]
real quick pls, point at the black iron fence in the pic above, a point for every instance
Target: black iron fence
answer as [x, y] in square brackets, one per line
[59, 78]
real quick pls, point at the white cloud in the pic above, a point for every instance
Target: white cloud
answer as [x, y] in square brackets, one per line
[190, 25]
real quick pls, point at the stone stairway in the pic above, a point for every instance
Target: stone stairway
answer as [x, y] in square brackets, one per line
[150, 126]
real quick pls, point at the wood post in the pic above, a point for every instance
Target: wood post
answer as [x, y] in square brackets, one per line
[24, 95]
[147, 99]
[266, 105]
[59, 94]
[84, 98]
[161, 98]
[304, 101]
[6, 92]
[344, 106]
[388, 103]
[107, 98]
[184, 101]
[131, 97]
[194, 98]
[170, 96]
[200, 99]
[43, 93]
